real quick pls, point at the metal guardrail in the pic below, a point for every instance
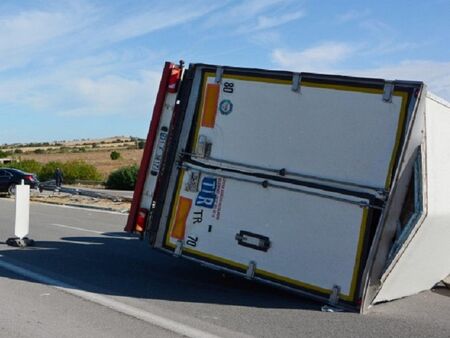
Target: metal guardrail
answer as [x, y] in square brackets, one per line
[51, 186]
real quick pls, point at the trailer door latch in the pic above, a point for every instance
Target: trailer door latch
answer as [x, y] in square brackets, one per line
[203, 148]
[254, 241]
[194, 181]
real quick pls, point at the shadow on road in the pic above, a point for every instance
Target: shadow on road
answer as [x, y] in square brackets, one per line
[119, 264]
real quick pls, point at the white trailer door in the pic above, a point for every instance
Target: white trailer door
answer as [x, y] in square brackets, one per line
[280, 184]
[302, 238]
[343, 133]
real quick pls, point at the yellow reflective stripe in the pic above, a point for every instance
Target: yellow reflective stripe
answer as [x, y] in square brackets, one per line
[359, 250]
[179, 226]
[400, 128]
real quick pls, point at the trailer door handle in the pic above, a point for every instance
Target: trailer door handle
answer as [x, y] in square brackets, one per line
[252, 240]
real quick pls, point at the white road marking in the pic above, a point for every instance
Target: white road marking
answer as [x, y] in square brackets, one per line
[77, 228]
[87, 209]
[81, 243]
[89, 230]
[132, 311]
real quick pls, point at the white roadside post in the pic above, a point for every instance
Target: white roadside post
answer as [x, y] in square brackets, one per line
[22, 219]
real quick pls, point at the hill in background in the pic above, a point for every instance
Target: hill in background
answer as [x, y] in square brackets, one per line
[93, 151]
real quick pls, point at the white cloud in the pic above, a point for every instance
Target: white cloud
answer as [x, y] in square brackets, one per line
[434, 73]
[63, 32]
[353, 15]
[254, 15]
[264, 22]
[333, 58]
[44, 52]
[89, 86]
[114, 94]
[266, 38]
[320, 58]
[32, 28]
[384, 39]
[156, 19]
[24, 34]
[250, 8]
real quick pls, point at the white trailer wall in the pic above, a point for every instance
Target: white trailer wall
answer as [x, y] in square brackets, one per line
[426, 257]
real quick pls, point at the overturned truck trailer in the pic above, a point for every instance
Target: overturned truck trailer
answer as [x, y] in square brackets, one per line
[334, 187]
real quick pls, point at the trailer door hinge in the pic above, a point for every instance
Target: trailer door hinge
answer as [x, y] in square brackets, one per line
[250, 274]
[178, 249]
[388, 91]
[333, 301]
[334, 296]
[296, 80]
[219, 74]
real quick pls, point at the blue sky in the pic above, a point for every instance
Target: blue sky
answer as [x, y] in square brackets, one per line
[87, 69]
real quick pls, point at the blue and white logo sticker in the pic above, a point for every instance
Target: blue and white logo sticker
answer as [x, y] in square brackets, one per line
[225, 107]
[207, 196]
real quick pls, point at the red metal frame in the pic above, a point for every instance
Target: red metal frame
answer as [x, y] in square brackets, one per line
[147, 155]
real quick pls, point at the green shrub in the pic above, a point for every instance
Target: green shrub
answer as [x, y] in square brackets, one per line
[115, 155]
[80, 170]
[123, 178]
[4, 153]
[29, 166]
[72, 171]
[47, 171]
[39, 151]
[141, 144]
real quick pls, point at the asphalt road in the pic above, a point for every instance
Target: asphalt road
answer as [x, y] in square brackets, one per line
[85, 278]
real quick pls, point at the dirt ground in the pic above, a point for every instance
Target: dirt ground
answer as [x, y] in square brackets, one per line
[100, 159]
[82, 201]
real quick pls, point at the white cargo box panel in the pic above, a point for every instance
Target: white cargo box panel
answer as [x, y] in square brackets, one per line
[422, 258]
[342, 133]
[302, 238]
[285, 177]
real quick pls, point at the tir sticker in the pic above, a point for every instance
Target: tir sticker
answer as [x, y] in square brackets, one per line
[207, 195]
[210, 197]
[225, 107]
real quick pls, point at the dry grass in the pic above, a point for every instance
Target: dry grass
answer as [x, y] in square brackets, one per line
[100, 159]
